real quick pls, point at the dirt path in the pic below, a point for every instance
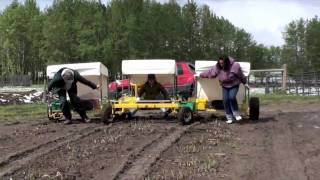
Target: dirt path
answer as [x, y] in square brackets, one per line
[200, 154]
[16, 161]
[20, 141]
[19, 138]
[283, 144]
[93, 154]
[139, 165]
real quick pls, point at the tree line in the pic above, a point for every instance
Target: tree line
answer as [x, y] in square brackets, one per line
[73, 31]
[302, 45]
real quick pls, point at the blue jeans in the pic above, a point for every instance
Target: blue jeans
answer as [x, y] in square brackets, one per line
[229, 100]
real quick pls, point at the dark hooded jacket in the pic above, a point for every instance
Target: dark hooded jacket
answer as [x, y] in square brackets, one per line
[153, 92]
[58, 83]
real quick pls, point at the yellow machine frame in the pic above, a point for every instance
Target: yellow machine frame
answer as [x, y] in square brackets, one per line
[132, 102]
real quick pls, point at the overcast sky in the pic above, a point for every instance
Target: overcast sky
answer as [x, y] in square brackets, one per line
[264, 19]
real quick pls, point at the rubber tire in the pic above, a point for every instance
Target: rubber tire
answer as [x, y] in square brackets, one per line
[254, 108]
[107, 116]
[127, 116]
[121, 117]
[185, 115]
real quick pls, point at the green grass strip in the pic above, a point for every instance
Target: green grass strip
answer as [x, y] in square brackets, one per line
[283, 98]
[22, 112]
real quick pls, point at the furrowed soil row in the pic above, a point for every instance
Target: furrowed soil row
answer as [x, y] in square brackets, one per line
[19, 154]
[14, 162]
[139, 163]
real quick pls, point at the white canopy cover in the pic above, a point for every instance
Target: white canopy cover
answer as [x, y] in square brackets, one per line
[137, 70]
[85, 69]
[202, 65]
[95, 72]
[151, 66]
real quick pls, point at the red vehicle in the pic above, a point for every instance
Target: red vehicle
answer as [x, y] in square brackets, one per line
[185, 82]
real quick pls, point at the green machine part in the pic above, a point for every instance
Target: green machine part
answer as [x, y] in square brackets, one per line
[55, 105]
[188, 104]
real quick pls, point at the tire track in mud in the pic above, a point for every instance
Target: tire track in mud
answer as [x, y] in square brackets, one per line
[14, 162]
[138, 163]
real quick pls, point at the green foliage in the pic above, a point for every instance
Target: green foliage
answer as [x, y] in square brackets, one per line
[302, 45]
[72, 31]
[20, 29]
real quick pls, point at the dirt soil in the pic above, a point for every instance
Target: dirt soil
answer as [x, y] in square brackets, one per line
[283, 144]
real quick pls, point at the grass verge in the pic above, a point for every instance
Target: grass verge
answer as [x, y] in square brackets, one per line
[283, 98]
[22, 112]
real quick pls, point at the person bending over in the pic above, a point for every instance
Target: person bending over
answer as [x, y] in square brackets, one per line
[65, 81]
[230, 76]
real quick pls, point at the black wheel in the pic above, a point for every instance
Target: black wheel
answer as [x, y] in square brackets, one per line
[254, 108]
[123, 117]
[127, 116]
[185, 115]
[107, 115]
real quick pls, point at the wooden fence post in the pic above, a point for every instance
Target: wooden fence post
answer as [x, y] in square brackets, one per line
[303, 85]
[284, 78]
[317, 85]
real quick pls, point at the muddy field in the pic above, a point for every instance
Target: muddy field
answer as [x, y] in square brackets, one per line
[283, 144]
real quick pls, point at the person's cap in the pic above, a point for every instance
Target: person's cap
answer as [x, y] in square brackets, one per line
[151, 77]
[67, 75]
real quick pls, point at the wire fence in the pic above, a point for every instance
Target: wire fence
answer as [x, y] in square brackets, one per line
[305, 84]
[16, 80]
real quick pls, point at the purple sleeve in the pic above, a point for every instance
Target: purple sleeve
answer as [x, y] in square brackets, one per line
[210, 73]
[236, 70]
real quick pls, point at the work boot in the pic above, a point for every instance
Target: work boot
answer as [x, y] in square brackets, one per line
[229, 119]
[67, 121]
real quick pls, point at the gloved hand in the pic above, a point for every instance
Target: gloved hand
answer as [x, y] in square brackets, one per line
[247, 86]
